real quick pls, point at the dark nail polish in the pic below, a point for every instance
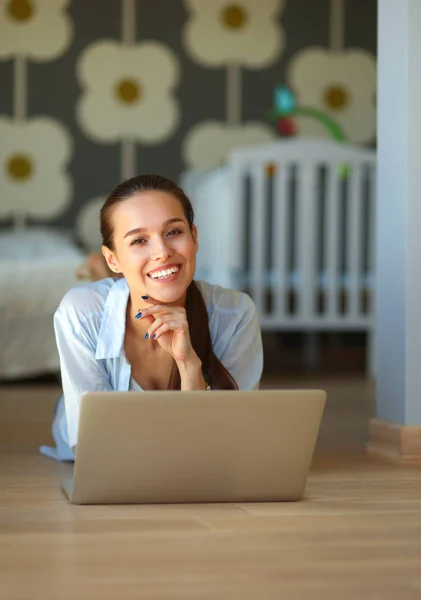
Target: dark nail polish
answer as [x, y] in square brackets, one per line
[154, 336]
[147, 336]
[145, 297]
[138, 315]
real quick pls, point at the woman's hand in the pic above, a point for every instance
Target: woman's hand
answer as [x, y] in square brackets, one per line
[170, 329]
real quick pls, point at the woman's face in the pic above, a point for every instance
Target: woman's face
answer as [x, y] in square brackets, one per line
[154, 247]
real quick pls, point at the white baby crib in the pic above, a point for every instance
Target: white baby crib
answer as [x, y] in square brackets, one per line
[293, 224]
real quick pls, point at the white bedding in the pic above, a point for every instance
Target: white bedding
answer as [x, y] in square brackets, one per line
[37, 267]
[219, 259]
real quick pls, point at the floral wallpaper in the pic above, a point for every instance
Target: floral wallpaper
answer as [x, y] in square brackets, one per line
[232, 36]
[94, 91]
[34, 151]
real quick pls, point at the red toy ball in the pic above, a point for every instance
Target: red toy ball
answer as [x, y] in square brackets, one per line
[286, 127]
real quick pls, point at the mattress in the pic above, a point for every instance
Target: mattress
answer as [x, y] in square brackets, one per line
[37, 267]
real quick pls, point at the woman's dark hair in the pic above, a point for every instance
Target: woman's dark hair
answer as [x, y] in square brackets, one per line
[215, 373]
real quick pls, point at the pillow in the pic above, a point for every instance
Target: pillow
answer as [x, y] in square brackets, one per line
[33, 243]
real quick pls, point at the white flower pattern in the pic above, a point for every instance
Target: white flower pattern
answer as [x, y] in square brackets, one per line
[39, 29]
[33, 162]
[127, 100]
[342, 85]
[208, 144]
[242, 32]
[88, 224]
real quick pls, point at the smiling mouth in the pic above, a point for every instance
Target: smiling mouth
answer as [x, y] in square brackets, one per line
[164, 273]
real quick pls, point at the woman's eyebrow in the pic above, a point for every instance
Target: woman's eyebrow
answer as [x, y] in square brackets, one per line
[143, 229]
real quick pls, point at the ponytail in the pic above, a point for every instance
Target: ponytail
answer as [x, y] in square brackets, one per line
[214, 372]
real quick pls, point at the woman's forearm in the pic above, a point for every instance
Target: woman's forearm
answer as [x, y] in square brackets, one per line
[191, 375]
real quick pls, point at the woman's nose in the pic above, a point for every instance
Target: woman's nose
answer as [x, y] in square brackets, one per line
[160, 250]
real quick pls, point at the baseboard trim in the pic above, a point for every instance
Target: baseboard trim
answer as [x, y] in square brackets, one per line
[400, 444]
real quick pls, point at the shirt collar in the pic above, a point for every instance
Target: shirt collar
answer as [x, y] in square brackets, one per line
[113, 322]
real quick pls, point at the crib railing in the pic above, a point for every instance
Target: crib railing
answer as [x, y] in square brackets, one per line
[305, 244]
[293, 224]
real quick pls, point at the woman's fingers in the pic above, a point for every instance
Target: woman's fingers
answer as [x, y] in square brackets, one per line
[162, 309]
[164, 328]
[176, 321]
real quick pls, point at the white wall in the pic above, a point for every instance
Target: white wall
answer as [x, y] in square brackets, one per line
[399, 212]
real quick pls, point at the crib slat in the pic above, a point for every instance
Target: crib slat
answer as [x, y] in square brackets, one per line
[354, 241]
[258, 227]
[331, 241]
[306, 238]
[235, 213]
[280, 237]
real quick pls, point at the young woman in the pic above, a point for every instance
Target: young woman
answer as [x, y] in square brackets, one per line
[152, 327]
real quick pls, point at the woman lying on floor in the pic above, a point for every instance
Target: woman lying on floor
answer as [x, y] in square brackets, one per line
[150, 326]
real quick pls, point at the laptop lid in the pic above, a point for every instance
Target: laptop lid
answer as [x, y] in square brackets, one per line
[172, 446]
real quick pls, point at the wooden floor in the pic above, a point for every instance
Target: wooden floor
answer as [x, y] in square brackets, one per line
[357, 534]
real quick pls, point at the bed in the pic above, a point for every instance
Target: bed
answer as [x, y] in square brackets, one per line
[37, 267]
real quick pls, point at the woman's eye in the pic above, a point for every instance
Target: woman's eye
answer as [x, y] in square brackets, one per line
[174, 232]
[137, 241]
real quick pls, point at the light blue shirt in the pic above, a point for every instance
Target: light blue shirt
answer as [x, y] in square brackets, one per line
[90, 329]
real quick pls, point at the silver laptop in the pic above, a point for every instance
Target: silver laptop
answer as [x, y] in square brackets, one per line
[219, 446]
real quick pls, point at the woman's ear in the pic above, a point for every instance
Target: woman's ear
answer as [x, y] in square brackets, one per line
[195, 237]
[111, 259]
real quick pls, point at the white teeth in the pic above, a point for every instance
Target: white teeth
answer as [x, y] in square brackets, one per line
[166, 273]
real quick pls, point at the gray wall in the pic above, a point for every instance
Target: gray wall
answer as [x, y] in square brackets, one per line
[94, 168]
